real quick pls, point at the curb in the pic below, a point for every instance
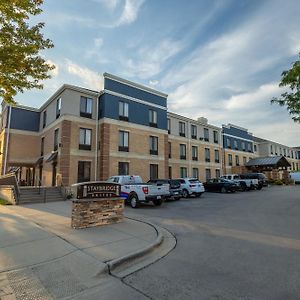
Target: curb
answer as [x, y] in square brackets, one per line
[114, 263]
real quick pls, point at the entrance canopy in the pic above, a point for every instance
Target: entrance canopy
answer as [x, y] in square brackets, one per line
[274, 162]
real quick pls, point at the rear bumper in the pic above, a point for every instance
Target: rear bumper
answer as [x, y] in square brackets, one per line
[152, 198]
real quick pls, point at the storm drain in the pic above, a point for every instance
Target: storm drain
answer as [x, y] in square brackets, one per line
[26, 286]
[58, 280]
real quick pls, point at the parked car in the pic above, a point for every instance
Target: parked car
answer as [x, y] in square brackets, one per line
[220, 185]
[261, 177]
[135, 191]
[175, 187]
[244, 183]
[191, 186]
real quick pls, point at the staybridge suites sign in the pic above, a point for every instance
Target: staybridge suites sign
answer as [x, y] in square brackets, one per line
[88, 190]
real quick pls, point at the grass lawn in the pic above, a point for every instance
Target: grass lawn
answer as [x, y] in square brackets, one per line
[4, 202]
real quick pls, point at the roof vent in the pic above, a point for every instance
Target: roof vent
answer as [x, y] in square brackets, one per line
[202, 120]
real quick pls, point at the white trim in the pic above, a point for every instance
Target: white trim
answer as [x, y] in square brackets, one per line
[193, 141]
[135, 99]
[238, 138]
[134, 155]
[135, 85]
[24, 132]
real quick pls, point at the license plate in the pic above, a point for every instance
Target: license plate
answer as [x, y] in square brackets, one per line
[158, 197]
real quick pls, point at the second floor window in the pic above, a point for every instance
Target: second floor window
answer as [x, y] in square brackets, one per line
[194, 153]
[216, 137]
[193, 131]
[85, 139]
[55, 140]
[217, 156]
[153, 145]
[249, 148]
[206, 134]
[169, 126]
[86, 107]
[207, 155]
[243, 146]
[235, 144]
[228, 143]
[123, 141]
[152, 118]
[44, 118]
[58, 107]
[182, 151]
[123, 111]
[181, 128]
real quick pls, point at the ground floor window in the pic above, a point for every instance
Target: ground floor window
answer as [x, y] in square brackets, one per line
[84, 171]
[207, 174]
[123, 168]
[153, 171]
[195, 173]
[218, 173]
[183, 172]
[170, 172]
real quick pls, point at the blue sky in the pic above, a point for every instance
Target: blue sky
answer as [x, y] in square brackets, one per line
[218, 59]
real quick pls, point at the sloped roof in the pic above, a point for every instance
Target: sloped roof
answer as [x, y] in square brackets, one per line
[274, 161]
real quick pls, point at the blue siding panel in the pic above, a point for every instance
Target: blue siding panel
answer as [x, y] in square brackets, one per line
[138, 113]
[23, 119]
[134, 92]
[238, 136]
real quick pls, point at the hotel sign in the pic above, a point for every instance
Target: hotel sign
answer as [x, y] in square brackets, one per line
[88, 190]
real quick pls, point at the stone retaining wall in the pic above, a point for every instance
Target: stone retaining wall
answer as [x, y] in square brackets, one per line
[7, 193]
[96, 212]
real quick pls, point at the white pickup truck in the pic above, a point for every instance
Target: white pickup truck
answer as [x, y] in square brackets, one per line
[245, 184]
[135, 191]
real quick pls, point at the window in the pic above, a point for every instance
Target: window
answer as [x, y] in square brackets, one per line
[153, 145]
[123, 111]
[244, 160]
[58, 107]
[55, 140]
[42, 146]
[216, 137]
[206, 134]
[194, 153]
[181, 128]
[194, 132]
[217, 156]
[207, 174]
[86, 107]
[292, 152]
[235, 144]
[255, 148]
[170, 149]
[182, 151]
[243, 146]
[271, 149]
[228, 143]
[44, 118]
[237, 160]
[123, 168]
[84, 171]
[284, 152]
[249, 147]
[169, 126]
[123, 141]
[152, 118]
[230, 159]
[207, 155]
[170, 172]
[183, 172]
[153, 171]
[85, 138]
[218, 173]
[195, 173]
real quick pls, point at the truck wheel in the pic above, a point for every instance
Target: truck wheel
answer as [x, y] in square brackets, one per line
[243, 186]
[157, 202]
[134, 201]
[185, 193]
[198, 195]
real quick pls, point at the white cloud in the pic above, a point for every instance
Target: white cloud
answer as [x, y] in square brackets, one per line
[89, 78]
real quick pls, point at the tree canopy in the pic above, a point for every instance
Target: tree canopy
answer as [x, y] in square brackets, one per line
[21, 66]
[291, 99]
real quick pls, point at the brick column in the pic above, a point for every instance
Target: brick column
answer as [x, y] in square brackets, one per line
[104, 151]
[166, 160]
[65, 152]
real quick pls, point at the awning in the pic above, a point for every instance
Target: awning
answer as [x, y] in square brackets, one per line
[39, 161]
[52, 157]
[13, 169]
[269, 161]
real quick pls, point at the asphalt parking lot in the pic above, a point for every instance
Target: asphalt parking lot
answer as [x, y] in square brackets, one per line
[229, 246]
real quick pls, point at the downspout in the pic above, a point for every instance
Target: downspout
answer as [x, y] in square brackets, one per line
[96, 139]
[7, 139]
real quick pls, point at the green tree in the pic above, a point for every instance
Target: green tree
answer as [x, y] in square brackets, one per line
[21, 66]
[291, 99]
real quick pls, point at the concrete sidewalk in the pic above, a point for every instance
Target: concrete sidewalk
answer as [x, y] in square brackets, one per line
[41, 255]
